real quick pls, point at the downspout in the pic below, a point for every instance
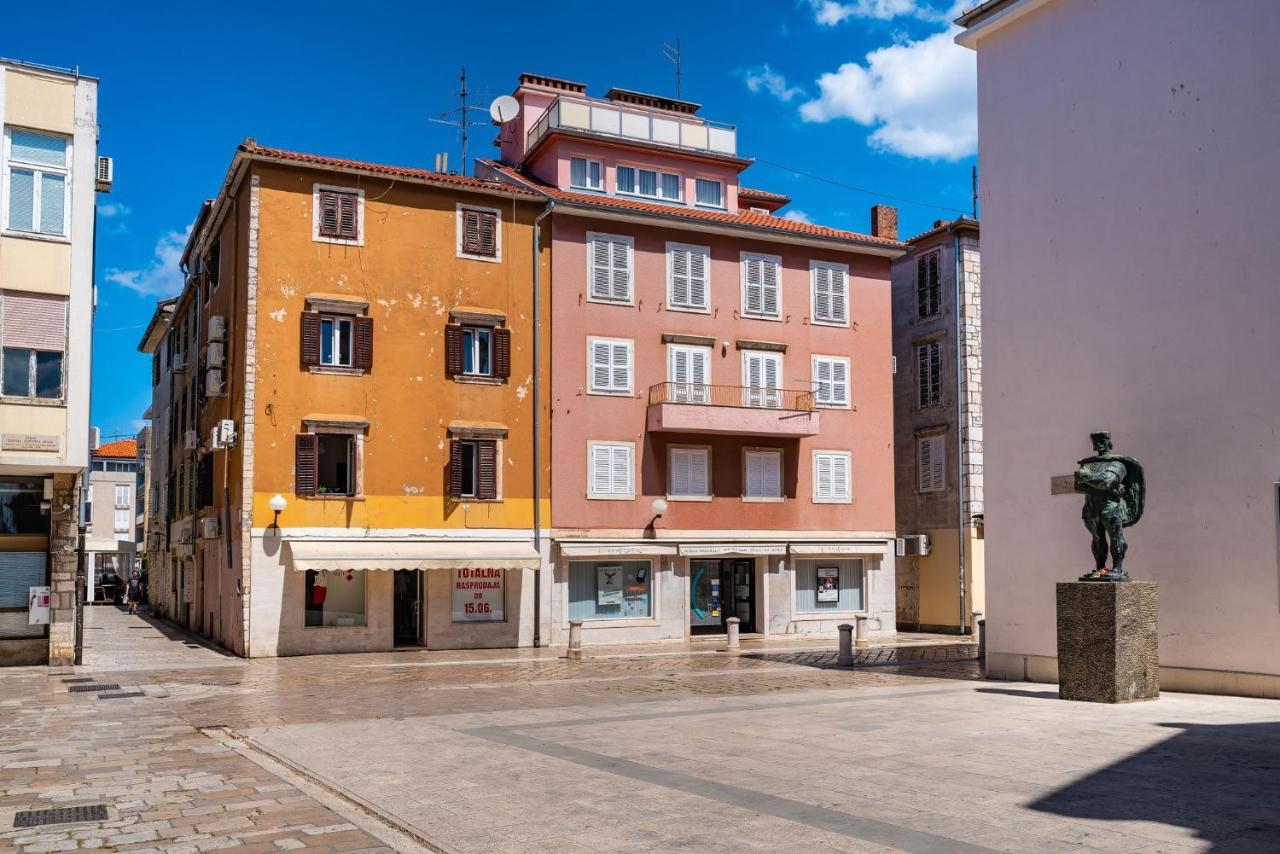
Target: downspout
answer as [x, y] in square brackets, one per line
[537, 420]
[960, 435]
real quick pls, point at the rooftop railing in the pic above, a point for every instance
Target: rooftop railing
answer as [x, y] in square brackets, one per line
[731, 395]
[636, 123]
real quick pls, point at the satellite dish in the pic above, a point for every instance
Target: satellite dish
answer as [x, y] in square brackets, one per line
[504, 108]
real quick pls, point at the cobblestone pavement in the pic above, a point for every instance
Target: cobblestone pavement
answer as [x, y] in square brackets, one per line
[668, 749]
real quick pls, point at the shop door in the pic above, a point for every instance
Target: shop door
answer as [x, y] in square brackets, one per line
[408, 607]
[743, 593]
[718, 590]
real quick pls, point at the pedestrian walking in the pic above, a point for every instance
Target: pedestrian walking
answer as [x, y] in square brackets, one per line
[133, 593]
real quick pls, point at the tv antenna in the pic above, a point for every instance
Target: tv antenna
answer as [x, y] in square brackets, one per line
[673, 55]
[461, 117]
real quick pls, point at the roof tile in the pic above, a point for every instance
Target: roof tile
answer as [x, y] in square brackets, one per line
[120, 449]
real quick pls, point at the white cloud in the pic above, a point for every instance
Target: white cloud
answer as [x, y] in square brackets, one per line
[161, 277]
[920, 96]
[797, 216]
[110, 210]
[830, 12]
[765, 79]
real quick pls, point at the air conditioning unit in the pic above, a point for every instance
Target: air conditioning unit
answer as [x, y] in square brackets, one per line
[916, 545]
[217, 327]
[104, 175]
[179, 362]
[215, 356]
[209, 528]
[191, 440]
[223, 435]
[213, 383]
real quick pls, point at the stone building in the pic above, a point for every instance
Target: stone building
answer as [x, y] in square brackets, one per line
[110, 509]
[937, 346]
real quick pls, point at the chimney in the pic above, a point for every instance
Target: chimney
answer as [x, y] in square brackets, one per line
[884, 221]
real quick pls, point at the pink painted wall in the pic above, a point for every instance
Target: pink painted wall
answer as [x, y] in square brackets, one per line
[866, 430]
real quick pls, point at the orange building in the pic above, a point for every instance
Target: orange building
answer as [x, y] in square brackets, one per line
[357, 467]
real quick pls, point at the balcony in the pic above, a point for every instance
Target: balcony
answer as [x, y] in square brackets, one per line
[605, 118]
[732, 410]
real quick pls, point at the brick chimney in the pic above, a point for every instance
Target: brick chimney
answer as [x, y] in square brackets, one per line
[884, 221]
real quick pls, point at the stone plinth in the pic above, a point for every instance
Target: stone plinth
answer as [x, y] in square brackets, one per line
[1108, 642]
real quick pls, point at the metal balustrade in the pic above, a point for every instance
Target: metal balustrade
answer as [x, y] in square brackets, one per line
[610, 119]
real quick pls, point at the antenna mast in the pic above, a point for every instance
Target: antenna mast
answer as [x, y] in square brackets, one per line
[975, 192]
[673, 55]
[460, 118]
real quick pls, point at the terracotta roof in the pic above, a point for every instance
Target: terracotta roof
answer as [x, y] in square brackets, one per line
[120, 449]
[249, 146]
[761, 194]
[743, 219]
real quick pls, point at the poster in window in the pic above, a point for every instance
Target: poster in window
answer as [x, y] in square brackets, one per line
[828, 584]
[609, 585]
[37, 606]
[478, 595]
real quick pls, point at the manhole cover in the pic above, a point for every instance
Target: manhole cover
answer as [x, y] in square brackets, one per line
[80, 689]
[79, 679]
[65, 815]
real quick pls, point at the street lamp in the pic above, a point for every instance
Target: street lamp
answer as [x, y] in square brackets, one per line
[277, 505]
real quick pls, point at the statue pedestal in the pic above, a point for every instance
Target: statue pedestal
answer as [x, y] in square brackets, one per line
[1108, 641]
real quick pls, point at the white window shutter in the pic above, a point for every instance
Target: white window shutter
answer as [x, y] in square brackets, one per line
[698, 481]
[621, 367]
[822, 293]
[754, 475]
[840, 476]
[680, 284]
[822, 380]
[621, 470]
[679, 472]
[679, 365]
[772, 367]
[773, 475]
[621, 270]
[839, 381]
[698, 264]
[839, 295]
[769, 285]
[600, 261]
[601, 459]
[600, 372]
[698, 367]
[822, 476]
[754, 288]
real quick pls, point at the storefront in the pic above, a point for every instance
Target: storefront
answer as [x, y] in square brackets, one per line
[24, 571]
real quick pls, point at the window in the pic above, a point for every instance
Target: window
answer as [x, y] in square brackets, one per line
[34, 335]
[609, 366]
[122, 520]
[32, 373]
[337, 214]
[37, 177]
[761, 374]
[829, 584]
[327, 464]
[334, 599]
[613, 590]
[761, 275]
[831, 476]
[473, 469]
[709, 193]
[689, 472]
[928, 285]
[689, 372]
[586, 174]
[688, 269]
[333, 340]
[122, 495]
[650, 183]
[830, 293]
[609, 267]
[831, 381]
[763, 474]
[477, 350]
[931, 461]
[20, 509]
[929, 374]
[479, 233]
[610, 465]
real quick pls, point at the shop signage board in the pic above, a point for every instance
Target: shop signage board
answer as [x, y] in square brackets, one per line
[715, 550]
[38, 606]
[188, 584]
[828, 584]
[609, 585]
[479, 595]
[30, 442]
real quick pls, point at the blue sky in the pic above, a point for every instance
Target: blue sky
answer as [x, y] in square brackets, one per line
[868, 93]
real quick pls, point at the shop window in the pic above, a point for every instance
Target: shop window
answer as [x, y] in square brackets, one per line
[610, 590]
[833, 585]
[335, 598]
[19, 572]
[20, 511]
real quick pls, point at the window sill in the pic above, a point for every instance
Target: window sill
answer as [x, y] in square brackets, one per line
[689, 309]
[331, 497]
[338, 241]
[601, 393]
[336, 370]
[763, 500]
[591, 497]
[695, 498]
[478, 379]
[33, 401]
[837, 324]
[628, 302]
[832, 500]
[492, 259]
[35, 235]
[773, 318]
[574, 188]
[845, 406]
[463, 499]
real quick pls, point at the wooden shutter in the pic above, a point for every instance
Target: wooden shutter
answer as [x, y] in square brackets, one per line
[453, 350]
[488, 234]
[310, 338]
[928, 285]
[502, 352]
[347, 216]
[328, 201]
[306, 458]
[932, 474]
[364, 342]
[929, 373]
[455, 468]
[487, 470]
[470, 232]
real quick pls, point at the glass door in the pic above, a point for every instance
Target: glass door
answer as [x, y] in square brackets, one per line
[706, 602]
[744, 594]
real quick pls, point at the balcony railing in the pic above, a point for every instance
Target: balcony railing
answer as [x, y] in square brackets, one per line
[609, 119]
[754, 397]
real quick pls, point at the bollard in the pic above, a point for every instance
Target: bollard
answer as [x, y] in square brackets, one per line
[845, 658]
[732, 624]
[575, 640]
[980, 628]
[861, 633]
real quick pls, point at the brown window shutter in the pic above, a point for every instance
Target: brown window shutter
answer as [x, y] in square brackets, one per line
[470, 232]
[310, 338]
[452, 350]
[328, 213]
[487, 470]
[488, 234]
[501, 352]
[305, 461]
[347, 221]
[364, 343]
[455, 468]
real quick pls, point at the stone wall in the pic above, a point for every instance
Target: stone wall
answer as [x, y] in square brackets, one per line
[64, 537]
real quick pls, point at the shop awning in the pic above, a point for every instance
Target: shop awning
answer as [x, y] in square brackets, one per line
[837, 548]
[615, 550]
[351, 555]
[732, 549]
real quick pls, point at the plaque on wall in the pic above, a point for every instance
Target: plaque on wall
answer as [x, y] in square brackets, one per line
[30, 442]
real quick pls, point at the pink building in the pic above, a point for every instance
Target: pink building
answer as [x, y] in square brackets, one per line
[721, 388]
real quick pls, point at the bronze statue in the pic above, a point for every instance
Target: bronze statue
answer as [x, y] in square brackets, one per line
[1115, 492]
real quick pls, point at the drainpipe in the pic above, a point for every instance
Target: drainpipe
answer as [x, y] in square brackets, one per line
[960, 435]
[537, 420]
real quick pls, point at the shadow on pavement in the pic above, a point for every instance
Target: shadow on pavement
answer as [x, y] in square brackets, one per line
[1221, 781]
[1020, 692]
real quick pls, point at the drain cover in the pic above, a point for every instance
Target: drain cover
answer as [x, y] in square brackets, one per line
[80, 689]
[79, 679]
[66, 815]
[122, 695]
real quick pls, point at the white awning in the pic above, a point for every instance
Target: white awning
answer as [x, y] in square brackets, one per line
[732, 550]
[617, 550]
[838, 548]
[352, 555]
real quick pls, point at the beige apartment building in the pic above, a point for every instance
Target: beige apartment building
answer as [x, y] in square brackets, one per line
[49, 171]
